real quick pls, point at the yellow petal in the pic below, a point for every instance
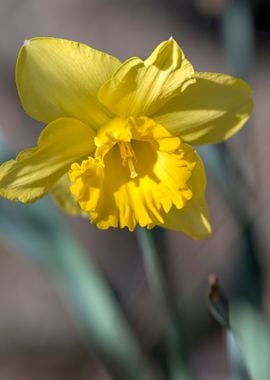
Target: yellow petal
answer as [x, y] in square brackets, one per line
[57, 78]
[139, 88]
[135, 180]
[209, 111]
[36, 170]
[63, 197]
[193, 219]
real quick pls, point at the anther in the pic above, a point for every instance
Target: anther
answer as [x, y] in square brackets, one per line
[133, 173]
[128, 156]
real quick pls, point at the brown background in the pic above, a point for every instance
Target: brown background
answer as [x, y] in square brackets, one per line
[39, 339]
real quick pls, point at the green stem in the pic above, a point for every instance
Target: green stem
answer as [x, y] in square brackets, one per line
[160, 289]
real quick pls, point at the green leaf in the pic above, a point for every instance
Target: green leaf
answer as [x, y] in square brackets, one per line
[39, 232]
[252, 331]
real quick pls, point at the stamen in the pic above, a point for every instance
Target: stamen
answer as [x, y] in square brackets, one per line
[133, 173]
[128, 157]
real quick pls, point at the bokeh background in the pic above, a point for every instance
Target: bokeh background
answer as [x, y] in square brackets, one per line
[40, 334]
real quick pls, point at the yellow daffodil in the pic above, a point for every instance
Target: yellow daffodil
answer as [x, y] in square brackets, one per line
[117, 145]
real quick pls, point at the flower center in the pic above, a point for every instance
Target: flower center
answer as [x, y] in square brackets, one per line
[139, 172]
[128, 157]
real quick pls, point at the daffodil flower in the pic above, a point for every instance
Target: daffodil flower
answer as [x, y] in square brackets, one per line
[118, 145]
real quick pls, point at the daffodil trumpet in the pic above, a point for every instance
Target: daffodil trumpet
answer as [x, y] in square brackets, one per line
[119, 142]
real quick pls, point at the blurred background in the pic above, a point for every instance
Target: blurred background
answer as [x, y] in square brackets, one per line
[41, 335]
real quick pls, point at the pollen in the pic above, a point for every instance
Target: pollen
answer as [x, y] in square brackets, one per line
[128, 157]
